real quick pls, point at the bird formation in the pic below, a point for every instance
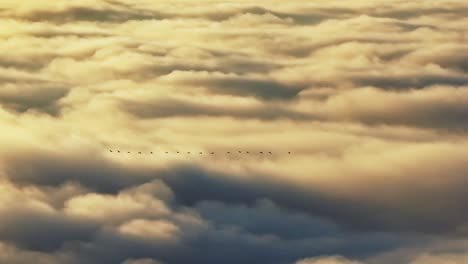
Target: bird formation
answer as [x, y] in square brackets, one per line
[199, 153]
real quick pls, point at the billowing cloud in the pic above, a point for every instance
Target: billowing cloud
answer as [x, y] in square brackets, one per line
[144, 132]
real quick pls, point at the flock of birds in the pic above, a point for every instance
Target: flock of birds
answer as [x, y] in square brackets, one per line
[199, 153]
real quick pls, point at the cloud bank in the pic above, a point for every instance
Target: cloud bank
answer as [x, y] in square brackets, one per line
[369, 98]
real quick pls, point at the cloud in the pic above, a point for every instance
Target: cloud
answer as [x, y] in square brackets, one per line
[24, 97]
[145, 229]
[105, 207]
[19, 223]
[437, 107]
[265, 218]
[337, 130]
[62, 12]
[167, 108]
[101, 178]
[14, 255]
[265, 180]
[236, 85]
[327, 260]
[141, 261]
[441, 258]
[21, 228]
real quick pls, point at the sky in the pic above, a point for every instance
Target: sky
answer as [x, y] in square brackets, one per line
[362, 104]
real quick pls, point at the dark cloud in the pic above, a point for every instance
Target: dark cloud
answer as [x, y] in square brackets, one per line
[354, 214]
[263, 89]
[265, 218]
[43, 231]
[242, 245]
[178, 108]
[412, 107]
[451, 56]
[455, 9]
[120, 12]
[92, 171]
[21, 64]
[192, 185]
[73, 14]
[305, 18]
[408, 81]
[51, 33]
[40, 97]
[244, 223]
[222, 65]
[438, 116]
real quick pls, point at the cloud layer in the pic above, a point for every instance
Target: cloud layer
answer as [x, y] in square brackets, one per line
[369, 99]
